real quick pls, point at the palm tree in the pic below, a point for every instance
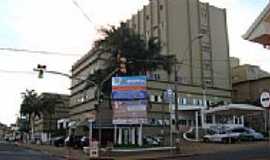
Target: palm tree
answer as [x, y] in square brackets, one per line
[48, 103]
[30, 107]
[144, 55]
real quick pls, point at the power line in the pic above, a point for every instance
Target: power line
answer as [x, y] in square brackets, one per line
[84, 13]
[15, 72]
[39, 52]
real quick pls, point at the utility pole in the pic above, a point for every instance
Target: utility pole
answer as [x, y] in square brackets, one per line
[188, 48]
[176, 107]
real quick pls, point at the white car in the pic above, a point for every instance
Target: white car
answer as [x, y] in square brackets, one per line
[232, 135]
[223, 136]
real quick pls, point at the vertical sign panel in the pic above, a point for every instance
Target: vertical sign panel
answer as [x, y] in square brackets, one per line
[130, 100]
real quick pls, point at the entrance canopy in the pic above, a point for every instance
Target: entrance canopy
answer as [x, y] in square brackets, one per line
[234, 109]
[259, 31]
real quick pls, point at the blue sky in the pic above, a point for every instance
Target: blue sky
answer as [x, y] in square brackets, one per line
[57, 25]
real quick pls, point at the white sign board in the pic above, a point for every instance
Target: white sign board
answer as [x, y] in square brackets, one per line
[265, 99]
[94, 150]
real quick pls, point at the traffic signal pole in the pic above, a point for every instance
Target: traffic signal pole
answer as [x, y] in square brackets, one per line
[98, 86]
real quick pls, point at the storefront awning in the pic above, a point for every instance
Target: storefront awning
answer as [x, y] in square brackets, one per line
[234, 109]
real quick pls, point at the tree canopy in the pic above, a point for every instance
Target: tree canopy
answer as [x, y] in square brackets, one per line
[142, 55]
[30, 104]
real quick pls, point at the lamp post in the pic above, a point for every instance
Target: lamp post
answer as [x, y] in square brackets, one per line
[188, 48]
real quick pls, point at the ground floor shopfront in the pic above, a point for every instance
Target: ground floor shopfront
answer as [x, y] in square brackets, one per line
[164, 129]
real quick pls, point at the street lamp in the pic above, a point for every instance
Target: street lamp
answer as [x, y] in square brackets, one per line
[188, 48]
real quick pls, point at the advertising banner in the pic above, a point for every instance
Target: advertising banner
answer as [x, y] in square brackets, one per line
[130, 100]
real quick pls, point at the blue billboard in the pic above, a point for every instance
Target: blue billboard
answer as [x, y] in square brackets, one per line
[130, 100]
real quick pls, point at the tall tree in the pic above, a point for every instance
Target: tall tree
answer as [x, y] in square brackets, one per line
[48, 103]
[30, 107]
[142, 55]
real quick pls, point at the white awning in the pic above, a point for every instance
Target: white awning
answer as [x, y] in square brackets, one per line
[259, 31]
[234, 109]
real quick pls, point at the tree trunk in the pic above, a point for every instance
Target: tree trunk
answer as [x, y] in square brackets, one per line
[50, 119]
[32, 129]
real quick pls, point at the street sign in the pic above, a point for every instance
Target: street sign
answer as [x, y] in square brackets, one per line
[265, 99]
[94, 149]
[168, 96]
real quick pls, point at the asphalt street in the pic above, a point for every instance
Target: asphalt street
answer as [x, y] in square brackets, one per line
[258, 153]
[12, 152]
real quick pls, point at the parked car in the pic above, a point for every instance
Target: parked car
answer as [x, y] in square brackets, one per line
[73, 141]
[58, 141]
[84, 142]
[248, 134]
[225, 136]
[234, 134]
[156, 141]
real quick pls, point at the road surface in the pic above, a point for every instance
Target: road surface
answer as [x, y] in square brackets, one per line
[12, 152]
[261, 152]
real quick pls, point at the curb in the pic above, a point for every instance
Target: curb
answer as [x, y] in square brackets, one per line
[168, 156]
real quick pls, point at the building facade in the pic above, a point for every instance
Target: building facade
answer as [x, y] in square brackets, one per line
[3, 131]
[203, 77]
[247, 72]
[249, 91]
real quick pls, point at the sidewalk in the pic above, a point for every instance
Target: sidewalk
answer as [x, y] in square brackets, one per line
[186, 149]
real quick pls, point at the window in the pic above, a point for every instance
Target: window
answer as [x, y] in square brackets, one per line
[182, 122]
[152, 98]
[240, 121]
[184, 101]
[157, 76]
[195, 102]
[208, 81]
[179, 100]
[236, 120]
[161, 7]
[82, 99]
[159, 98]
[209, 119]
[203, 14]
[156, 98]
[147, 17]
[200, 102]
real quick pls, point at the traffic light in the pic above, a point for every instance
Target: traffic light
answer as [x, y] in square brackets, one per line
[123, 65]
[41, 69]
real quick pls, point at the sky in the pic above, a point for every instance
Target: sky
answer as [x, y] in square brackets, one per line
[59, 26]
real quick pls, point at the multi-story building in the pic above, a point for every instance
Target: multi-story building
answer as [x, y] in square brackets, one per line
[3, 130]
[249, 91]
[203, 77]
[234, 62]
[247, 72]
[45, 124]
